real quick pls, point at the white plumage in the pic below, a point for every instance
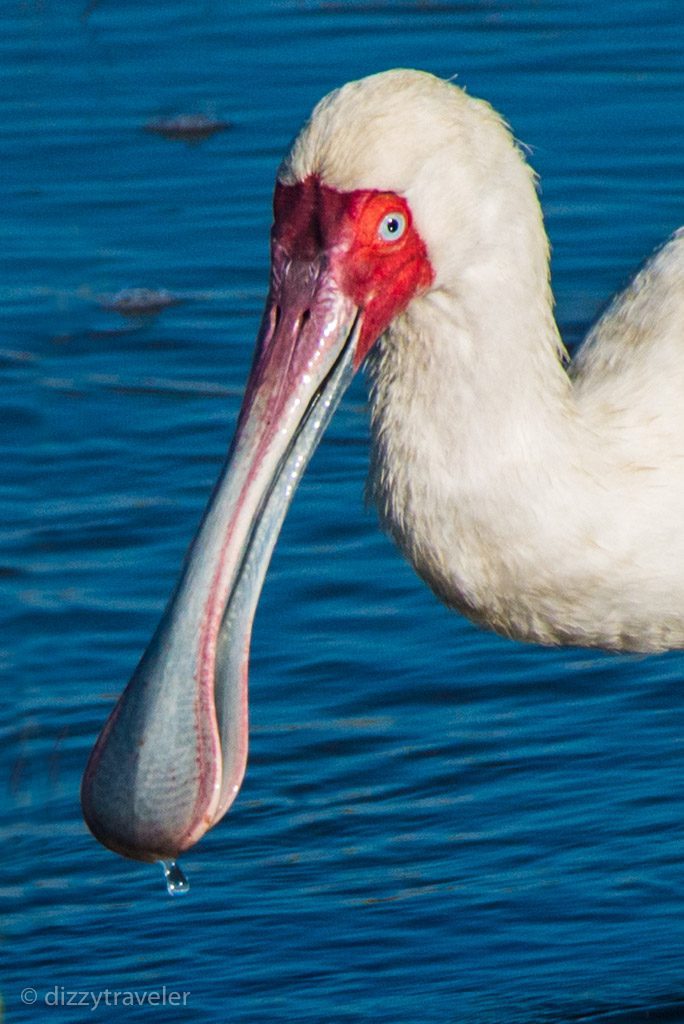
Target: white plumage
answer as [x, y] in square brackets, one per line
[544, 502]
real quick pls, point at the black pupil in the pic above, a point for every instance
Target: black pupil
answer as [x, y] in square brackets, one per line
[392, 225]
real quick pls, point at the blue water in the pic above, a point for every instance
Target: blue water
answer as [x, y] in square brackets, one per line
[437, 825]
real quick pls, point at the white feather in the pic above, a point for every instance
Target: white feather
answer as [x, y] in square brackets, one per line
[544, 503]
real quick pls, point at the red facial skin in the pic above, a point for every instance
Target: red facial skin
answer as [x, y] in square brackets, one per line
[380, 275]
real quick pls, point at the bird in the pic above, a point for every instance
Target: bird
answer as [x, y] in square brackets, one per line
[542, 497]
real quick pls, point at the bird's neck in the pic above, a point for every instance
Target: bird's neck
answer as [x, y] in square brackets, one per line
[476, 440]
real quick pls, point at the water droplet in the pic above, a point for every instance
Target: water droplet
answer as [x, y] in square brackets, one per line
[176, 882]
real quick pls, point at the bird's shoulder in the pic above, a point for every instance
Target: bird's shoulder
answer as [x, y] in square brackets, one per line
[642, 327]
[629, 374]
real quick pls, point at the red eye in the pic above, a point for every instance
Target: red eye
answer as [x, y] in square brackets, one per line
[379, 220]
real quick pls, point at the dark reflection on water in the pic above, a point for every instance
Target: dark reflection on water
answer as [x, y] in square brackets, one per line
[437, 825]
[670, 1013]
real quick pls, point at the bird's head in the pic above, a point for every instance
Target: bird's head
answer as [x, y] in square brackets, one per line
[372, 213]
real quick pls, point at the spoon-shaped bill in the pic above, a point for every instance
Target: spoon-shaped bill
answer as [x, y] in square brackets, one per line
[171, 757]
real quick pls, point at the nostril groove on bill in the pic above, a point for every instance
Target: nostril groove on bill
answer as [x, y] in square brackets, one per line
[304, 319]
[275, 318]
